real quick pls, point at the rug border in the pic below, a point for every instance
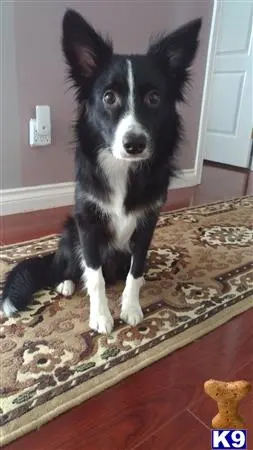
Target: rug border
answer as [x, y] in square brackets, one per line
[29, 421]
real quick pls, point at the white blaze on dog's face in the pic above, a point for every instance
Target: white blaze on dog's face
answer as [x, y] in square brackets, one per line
[131, 140]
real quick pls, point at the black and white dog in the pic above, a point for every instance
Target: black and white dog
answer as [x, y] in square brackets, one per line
[127, 131]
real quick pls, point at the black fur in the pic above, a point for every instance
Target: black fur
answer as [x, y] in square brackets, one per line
[93, 69]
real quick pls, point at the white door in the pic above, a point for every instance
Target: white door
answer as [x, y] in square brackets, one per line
[230, 116]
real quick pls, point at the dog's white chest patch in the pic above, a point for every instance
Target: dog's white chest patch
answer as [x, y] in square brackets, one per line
[123, 227]
[122, 224]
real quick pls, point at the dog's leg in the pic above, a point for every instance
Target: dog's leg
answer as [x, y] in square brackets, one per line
[131, 311]
[65, 263]
[93, 242]
[100, 317]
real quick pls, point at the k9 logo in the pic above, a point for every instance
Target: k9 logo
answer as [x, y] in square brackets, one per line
[224, 439]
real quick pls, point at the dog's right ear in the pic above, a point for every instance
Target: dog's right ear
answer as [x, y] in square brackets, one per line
[86, 52]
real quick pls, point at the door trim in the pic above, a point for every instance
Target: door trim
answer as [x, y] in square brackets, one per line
[201, 142]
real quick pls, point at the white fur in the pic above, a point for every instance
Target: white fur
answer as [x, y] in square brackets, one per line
[131, 311]
[129, 124]
[100, 317]
[122, 224]
[130, 80]
[66, 288]
[8, 308]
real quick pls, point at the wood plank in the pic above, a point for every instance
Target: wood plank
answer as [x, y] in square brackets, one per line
[183, 433]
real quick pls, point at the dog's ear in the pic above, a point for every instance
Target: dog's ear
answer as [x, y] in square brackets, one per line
[86, 52]
[176, 51]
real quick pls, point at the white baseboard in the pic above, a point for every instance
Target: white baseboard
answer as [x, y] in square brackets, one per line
[185, 178]
[20, 200]
[32, 198]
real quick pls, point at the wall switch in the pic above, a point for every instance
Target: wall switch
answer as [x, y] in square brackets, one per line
[40, 127]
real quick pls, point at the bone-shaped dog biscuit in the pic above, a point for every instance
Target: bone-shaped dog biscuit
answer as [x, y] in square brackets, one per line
[227, 395]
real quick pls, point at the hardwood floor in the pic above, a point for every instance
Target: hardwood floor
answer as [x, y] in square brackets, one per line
[162, 407]
[218, 184]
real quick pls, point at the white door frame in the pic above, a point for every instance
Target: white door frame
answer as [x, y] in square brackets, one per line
[201, 143]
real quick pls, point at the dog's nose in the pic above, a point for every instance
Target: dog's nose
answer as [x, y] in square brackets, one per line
[134, 144]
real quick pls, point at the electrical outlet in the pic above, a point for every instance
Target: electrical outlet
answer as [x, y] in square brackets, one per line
[37, 139]
[40, 128]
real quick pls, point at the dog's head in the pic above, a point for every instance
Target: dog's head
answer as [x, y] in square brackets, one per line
[129, 99]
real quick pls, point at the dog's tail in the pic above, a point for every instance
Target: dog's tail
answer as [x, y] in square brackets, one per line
[36, 273]
[25, 279]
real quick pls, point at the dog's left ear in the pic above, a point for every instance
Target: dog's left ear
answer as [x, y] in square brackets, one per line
[176, 51]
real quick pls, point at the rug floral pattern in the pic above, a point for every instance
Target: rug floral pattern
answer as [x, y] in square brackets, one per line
[200, 262]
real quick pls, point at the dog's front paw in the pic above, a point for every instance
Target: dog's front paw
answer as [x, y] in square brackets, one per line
[131, 313]
[102, 323]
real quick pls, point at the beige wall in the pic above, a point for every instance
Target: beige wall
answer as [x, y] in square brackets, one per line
[10, 169]
[33, 60]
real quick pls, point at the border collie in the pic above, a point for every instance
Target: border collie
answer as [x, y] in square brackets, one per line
[127, 132]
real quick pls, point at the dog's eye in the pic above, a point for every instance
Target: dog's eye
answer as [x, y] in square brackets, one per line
[152, 99]
[110, 98]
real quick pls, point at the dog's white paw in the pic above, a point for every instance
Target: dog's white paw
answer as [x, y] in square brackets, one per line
[131, 313]
[103, 323]
[66, 288]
